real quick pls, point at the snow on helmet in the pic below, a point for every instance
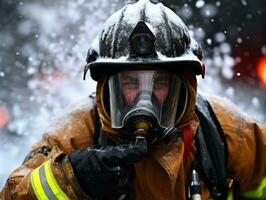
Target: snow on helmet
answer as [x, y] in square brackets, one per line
[143, 34]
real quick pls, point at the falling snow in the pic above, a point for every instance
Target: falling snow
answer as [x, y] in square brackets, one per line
[230, 92]
[239, 40]
[200, 4]
[209, 41]
[209, 10]
[244, 2]
[256, 102]
[219, 37]
[263, 50]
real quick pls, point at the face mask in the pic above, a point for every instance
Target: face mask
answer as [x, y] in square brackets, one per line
[146, 108]
[148, 96]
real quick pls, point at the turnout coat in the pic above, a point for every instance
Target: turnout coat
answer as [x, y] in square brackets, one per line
[161, 174]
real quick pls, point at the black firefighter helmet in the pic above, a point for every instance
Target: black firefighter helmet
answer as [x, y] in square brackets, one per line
[143, 34]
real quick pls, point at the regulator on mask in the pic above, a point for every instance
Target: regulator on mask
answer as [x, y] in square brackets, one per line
[145, 101]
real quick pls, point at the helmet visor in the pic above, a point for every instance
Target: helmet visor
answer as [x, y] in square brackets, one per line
[154, 91]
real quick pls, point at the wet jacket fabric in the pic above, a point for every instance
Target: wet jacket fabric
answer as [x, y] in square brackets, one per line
[161, 174]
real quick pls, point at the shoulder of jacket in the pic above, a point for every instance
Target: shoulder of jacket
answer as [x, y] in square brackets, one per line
[74, 112]
[244, 136]
[232, 119]
[227, 113]
[73, 128]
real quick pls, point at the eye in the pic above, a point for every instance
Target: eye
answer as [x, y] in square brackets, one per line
[160, 83]
[130, 84]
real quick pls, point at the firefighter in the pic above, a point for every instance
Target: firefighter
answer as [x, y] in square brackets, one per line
[146, 134]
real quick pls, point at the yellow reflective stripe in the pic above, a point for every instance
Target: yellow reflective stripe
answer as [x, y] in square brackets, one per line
[230, 196]
[37, 185]
[257, 193]
[53, 183]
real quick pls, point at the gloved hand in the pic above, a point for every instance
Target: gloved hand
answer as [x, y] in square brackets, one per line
[103, 170]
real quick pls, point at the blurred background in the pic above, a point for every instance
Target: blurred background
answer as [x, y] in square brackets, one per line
[43, 47]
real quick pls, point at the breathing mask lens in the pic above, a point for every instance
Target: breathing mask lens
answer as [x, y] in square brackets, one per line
[149, 94]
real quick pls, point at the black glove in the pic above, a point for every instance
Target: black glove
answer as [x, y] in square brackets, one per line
[103, 170]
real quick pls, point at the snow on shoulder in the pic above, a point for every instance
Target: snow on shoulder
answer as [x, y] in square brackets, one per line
[74, 110]
[227, 111]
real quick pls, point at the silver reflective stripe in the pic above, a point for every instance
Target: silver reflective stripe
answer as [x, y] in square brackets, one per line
[45, 185]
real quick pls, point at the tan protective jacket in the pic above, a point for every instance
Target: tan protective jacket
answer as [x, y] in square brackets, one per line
[161, 174]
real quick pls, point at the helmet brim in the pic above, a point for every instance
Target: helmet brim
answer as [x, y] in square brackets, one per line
[103, 68]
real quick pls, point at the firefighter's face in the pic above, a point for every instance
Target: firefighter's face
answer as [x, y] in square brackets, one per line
[133, 82]
[145, 90]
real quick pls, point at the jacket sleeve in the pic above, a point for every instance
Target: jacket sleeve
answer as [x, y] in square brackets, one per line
[46, 173]
[246, 141]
